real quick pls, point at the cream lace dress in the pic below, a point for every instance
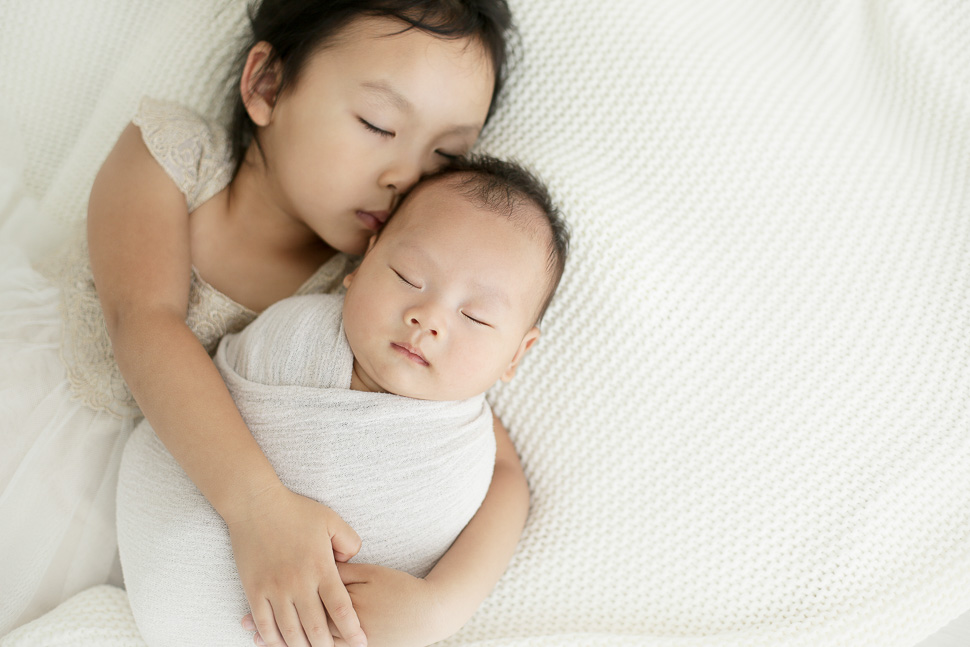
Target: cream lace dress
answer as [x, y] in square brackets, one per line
[65, 411]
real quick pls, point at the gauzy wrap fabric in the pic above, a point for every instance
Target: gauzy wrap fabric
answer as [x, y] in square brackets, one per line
[406, 474]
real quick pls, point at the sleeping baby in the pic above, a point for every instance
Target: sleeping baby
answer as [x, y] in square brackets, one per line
[371, 403]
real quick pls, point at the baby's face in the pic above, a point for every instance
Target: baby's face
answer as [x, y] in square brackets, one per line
[445, 301]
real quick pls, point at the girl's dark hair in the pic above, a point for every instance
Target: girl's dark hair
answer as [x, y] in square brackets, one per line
[296, 29]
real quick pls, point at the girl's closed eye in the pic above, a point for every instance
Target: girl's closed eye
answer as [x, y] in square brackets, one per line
[374, 129]
[448, 156]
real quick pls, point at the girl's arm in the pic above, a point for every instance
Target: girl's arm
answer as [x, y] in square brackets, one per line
[471, 568]
[138, 232]
[398, 609]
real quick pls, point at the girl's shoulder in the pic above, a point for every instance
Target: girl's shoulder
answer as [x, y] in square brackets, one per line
[194, 151]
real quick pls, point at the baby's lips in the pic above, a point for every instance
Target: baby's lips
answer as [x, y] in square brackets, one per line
[413, 351]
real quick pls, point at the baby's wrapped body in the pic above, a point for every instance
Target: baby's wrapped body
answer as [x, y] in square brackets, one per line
[406, 474]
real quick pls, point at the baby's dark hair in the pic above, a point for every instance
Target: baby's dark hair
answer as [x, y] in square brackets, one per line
[297, 29]
[504, 187]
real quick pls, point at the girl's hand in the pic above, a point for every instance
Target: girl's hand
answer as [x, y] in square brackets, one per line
[286, 551]
[395, 609]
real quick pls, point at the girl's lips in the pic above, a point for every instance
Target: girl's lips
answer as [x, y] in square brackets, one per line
[373, 220]
[410, 352]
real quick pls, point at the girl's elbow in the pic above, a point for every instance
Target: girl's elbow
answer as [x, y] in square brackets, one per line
[127, 321]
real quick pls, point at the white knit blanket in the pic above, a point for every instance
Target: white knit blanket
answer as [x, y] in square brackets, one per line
[406, 474]
[747, 421]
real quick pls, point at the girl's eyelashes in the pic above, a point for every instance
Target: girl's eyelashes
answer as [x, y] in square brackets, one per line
[389, 134]
[374, 129]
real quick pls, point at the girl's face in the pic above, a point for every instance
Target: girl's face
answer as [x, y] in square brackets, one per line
[368, 116]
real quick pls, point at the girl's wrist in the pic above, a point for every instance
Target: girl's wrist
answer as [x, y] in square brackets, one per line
[447, 609]
[248, 497]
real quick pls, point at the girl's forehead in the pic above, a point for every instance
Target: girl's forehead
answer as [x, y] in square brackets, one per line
[372, 44]
[366, 26]
[407, 70]
[367, 31]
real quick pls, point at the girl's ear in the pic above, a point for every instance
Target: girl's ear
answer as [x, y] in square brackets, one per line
[260, 83]
[527, 341]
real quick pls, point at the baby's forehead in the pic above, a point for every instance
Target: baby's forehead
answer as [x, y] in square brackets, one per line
[450, 205]
[463, 195]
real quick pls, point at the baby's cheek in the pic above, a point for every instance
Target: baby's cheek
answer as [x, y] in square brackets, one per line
[490, 362]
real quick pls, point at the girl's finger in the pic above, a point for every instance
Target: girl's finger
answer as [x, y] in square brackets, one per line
[341, 610]
[267, 632]
[314, 621]
[248, 623]
[290, 628]
[338, 640]
[345, 541]
[352, 573]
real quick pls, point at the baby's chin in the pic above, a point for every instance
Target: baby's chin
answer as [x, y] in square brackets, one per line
[409, 389]
[437, 397]
[405, 383]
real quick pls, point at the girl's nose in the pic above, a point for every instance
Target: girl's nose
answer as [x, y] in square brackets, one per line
[401, 176]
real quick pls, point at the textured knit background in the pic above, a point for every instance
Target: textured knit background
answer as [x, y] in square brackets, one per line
[748, 419]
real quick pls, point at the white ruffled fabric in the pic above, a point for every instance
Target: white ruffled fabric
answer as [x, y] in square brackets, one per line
[62, 443]
[58, 533]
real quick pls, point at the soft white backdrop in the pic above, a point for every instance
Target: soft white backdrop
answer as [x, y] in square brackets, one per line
[748, 419]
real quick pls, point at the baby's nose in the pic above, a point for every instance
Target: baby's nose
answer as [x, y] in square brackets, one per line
[432, 330]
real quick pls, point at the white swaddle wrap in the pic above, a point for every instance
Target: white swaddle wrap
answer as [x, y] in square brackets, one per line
[406, 474]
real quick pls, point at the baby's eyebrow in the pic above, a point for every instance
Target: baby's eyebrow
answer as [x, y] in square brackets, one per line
[489, 293]
[484, 290]
[390, 94]
[492, 295]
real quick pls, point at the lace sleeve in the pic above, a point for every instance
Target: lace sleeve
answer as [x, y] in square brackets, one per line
[195, 154]
[193, 151]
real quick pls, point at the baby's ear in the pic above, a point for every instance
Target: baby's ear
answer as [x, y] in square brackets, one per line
[348, 279]
[527, 341]
[260, 83]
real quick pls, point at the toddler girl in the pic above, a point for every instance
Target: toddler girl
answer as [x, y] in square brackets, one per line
[342, 107]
